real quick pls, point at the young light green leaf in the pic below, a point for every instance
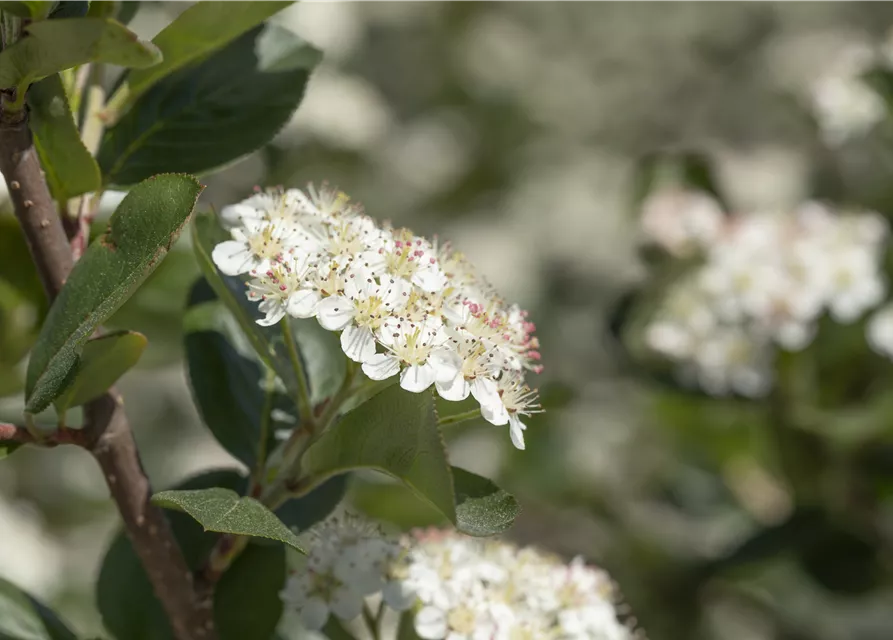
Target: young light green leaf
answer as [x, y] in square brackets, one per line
[198, 31]
[130, 609]
[53, 45]
[224, 511]
[207, 115]
[24, 618]
[482, 508]
[102, 362]
[70, 169]
[394, 432]
[140, 234]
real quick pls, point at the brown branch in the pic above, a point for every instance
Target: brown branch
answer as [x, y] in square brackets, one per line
[106, 434]
[21, 435]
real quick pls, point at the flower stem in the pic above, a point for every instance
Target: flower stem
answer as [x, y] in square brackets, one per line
[459, 417]
[304, 407]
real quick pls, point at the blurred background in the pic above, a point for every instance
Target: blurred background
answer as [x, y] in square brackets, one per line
[528, 134]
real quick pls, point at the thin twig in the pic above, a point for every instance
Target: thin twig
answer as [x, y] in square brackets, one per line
[106, 431]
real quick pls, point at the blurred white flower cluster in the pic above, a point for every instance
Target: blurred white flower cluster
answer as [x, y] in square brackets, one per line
[764, 282]
[404, 305]
[454, 587]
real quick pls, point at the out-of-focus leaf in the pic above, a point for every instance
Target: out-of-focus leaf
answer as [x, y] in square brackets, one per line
[102, 362]
[34, 9]
[198, 31]
[76, 9]
[51, 46]
[69, 167]
[140, 233]
[233, 102]
[224, 511]
[24, 618]
[130, 610]
[8, 448]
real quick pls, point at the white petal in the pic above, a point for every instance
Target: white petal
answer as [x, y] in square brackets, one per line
[303, 303]
[446, 364]
[358, 343]
[486, 392]
[335, 313]
[234, 214]
[346, 603]
[233, 257]
[274, 310]
[495, 413]
[398, 595]
[394, 294]
[314, 614]
[416, 378]
[516, 431]
[455, 390]
[381, 366]
[431, 623]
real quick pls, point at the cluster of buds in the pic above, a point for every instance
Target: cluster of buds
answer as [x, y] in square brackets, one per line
[455, 587]
[763, 283]
[405, 306]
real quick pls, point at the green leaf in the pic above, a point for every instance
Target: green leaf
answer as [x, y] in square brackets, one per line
[140, 234]
[482, 508]
[8, 448]
[54, 45]
[69, 167]
[34, 9]
[130, 610]
[24, 618]
[224, 511]
[394, 432]
[205, 116]
[102, 362]
[198, 31]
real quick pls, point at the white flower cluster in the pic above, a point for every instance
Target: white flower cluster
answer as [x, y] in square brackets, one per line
[404, 305]
[766, 279]
[845, 105]
[454, 587]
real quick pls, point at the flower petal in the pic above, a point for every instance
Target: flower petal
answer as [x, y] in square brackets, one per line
[431, 623]
[495, 413]
[335, 313]
[486, 392]
[346, 603]
[455, 390]
[234, 214]
[381, 366]
[446, 364]
[314, 613]
[358, 343]
[416, 378]
[516, 431]
[303, 303]
[398, 595]
[233, 258]
[274, 312]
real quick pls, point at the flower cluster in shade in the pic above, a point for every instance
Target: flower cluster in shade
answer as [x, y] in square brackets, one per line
[405, 306]
[453, 587]
[761, 281]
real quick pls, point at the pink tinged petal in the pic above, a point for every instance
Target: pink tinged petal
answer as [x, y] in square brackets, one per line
[454, 390]
[274, 310]
[416, 378]
[398, 595]
[431, 623]
[516, 431]
[495, 413]
[335, 313]
[358, 343]
[233, 258]
[486, 392]
[303, 303]
[446, 364]
[381, 366]
[314, 614]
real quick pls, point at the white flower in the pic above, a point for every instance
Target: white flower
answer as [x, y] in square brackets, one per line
[681, 220]
[880, 332]
[284, 288]
[256, 246]
[419, 348]
[517, 399]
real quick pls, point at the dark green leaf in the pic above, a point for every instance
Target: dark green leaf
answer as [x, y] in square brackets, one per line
[140, 234]
[198, 31]
[35, 9]
[51, 46]
[130, 610]
[24, 618]
[69, 167]
[482, 508]
[102, 362]
[394, 432]
[76, 9]
[205, 116]
[224, 511]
